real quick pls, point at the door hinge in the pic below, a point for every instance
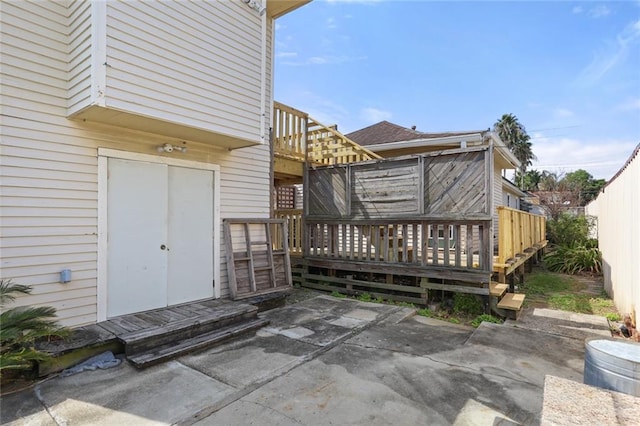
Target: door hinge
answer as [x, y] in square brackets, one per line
[214, 283]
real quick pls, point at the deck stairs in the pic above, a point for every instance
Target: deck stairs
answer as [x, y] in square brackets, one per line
[504, 303]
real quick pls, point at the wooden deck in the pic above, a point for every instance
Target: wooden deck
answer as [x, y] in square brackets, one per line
[156, 335]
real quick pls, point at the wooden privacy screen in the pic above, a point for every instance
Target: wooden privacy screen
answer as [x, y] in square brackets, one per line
[454, 184]
[257, 256]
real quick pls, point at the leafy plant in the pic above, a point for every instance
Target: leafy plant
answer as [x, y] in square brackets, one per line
[467, 304]
[405, 304]
[613, 316]
[485, 318]
[364, 297]
[338, 295]
[21, 327]
[424, 312]
[574, 259]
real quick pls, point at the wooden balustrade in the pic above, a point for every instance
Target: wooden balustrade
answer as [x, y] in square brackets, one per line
[289, 131]
[519, 231]
[417, 244]
[327, 146]
[293, 218]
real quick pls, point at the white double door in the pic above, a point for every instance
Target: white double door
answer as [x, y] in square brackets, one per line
[160, 235]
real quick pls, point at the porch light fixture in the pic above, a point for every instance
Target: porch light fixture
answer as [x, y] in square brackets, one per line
[257, 5]
[167, 147]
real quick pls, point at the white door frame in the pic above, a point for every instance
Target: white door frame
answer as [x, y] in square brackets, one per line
[103, 156]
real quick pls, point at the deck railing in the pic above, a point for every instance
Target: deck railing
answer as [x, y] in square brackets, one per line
[327, 146]
[415, 245]
[518, 231]
[289, 131]
[293, 219]
[297, 136]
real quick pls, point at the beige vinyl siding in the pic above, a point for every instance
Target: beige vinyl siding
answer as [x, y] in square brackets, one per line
[191, 63]
[497, 200]
[617, 210]
[49, 174]
[79, 66]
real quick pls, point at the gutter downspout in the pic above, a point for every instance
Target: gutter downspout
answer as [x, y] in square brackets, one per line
[263, 72]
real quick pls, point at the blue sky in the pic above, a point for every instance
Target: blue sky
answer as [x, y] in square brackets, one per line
[570, 71]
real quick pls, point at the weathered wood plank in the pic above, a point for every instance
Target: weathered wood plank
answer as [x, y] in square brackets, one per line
[454, 288]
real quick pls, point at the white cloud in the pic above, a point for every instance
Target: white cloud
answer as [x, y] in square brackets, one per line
[325, 60]
[599, 11]
[286, 54]
[601, 158]
[630, 105]
[577, 9]
[611, 56]
[562, 113]
[374, 115]
[331, 23]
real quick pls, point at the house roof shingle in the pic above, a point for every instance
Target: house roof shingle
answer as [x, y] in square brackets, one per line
[386, 132]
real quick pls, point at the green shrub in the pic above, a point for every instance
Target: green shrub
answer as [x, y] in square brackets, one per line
[569, 230]
[21, 327]
[405, 304]
[338, 295]
[574, 259]
[485, 318]
[467, 304]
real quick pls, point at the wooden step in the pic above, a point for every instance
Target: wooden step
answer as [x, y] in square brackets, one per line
[511, 301]
[497, 289]
[195, 343]
[219, 317]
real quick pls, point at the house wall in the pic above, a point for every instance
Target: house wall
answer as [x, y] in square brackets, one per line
[510, 199]
[617, 210]
[196, 64]
[498, 198]
[49, 174]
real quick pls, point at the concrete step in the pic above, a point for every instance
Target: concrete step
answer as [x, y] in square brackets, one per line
[217, 318]
[195, 343]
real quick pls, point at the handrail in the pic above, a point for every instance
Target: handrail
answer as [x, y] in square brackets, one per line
[327, 146]
[299, 137]
[518, 231]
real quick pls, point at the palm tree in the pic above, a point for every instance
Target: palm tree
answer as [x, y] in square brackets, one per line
[515, 136]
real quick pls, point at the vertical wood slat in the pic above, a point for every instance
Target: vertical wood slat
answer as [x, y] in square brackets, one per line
[405, 243]
[458, 238]
[447, 244]
[247, 239]
[469, 246]
[425, 242]
[415, 243]
[270, 262]
[435, 234]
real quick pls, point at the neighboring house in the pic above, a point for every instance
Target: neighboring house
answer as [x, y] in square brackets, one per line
[557, 202]
[129, 129]
[391, 140]
[512, 196]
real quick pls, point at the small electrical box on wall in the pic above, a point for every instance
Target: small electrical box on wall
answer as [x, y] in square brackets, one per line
[65, 275]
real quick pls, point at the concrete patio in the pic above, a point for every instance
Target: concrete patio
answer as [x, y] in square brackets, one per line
[329, 361]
